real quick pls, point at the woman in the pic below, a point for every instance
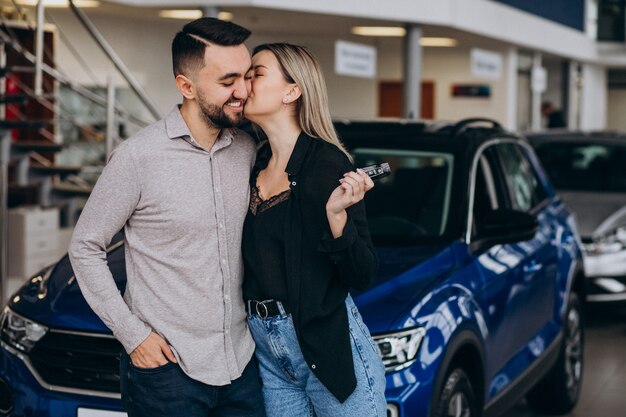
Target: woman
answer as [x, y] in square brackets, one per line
[306, 242]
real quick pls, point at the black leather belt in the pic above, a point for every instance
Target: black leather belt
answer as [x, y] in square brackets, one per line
[266, 308]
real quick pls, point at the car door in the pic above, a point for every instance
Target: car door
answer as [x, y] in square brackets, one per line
[534, 293]
[501, 269]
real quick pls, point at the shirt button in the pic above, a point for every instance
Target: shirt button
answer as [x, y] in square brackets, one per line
[313, 366]
[226, 297]
[223, 261]
[293, 183]
[217, 190]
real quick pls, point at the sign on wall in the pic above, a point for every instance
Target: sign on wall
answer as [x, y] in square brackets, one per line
[355, 59]
[486, 64]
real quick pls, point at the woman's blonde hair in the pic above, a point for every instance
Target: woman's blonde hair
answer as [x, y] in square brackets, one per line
[299, 66]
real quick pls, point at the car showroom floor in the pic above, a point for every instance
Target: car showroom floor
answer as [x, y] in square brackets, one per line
[603, 393]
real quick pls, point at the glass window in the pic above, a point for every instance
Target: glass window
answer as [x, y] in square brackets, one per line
[611, 20]
[413, 202]
[488, 193]
[584, 166]
[524, 187]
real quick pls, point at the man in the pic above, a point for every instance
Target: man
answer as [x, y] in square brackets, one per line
[554, 117]
[179, 188]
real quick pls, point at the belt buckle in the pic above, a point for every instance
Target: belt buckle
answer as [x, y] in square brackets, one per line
[262, 303]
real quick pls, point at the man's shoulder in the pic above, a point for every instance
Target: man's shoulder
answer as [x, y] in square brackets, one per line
[146, 137]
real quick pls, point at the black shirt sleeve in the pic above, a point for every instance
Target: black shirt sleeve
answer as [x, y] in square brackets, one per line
[352, 252]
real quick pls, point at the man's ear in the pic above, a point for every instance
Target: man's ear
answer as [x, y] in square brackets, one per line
[186, 87]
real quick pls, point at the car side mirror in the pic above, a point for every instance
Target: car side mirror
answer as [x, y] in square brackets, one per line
[506, 226]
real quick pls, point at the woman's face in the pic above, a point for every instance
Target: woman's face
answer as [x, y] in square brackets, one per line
[269, 87]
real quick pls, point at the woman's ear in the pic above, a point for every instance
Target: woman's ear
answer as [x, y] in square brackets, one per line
[186, 87]
[292, 95]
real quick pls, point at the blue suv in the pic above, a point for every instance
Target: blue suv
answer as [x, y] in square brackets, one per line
[477, 301]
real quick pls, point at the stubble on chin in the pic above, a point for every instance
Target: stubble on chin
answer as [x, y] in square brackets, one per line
[215, 117]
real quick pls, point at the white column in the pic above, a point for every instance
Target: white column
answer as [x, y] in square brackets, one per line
[535, 109]
[594, 97]
[412, 72]
[511, 89]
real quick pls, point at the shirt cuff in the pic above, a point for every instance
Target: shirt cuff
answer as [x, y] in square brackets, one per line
[333, 246]
[132, 334]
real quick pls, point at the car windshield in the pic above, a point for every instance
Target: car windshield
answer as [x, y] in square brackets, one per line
[577, 166]
[412, 204]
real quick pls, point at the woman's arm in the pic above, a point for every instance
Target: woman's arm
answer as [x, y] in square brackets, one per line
[347, 240]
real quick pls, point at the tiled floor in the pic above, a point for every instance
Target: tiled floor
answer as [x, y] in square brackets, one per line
[604, 383]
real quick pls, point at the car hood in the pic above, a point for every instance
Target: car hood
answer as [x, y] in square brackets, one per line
[59, 303]
[405, 274]
[596, 213]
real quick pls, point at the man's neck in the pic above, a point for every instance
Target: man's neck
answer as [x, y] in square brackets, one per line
[204, 135]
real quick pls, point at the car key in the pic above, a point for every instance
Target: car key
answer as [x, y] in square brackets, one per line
[378, 171]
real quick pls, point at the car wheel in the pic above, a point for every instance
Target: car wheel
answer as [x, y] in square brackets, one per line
[457, 396]
[558, 391]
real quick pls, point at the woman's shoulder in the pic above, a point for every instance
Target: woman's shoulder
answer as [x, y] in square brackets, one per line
[329, 154]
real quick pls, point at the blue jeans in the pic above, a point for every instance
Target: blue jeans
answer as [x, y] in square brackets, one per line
[290, 389]
[167, 391]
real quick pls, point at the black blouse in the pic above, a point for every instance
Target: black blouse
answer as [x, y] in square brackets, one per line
[264, 247]
[319, 269]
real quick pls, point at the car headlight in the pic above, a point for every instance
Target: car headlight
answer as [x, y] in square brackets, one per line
[399, 349]
[20, 332]
[610, 243]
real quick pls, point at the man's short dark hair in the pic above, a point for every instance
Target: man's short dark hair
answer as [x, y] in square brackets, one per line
[188, 46]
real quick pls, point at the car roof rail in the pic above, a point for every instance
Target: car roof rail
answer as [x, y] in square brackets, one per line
[462, 125]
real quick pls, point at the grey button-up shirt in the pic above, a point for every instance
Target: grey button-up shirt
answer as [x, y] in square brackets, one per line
[182, 208]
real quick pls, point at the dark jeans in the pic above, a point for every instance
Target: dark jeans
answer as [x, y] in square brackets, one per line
[167, 391]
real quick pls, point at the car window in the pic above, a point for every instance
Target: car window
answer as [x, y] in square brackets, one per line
[413, 203]
[525, 189]
[584, 166]
[488, 195]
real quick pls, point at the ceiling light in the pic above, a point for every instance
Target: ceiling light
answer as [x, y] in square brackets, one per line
[181, 14]
[438, 42]
[191, 14]
[225, 16]
[60, 3]
[379, 31]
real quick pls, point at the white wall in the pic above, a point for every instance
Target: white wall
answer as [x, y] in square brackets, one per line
[144, 48]
[594, 97]
[448, 66]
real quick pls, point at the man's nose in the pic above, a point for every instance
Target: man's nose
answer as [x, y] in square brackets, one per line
[241, 89]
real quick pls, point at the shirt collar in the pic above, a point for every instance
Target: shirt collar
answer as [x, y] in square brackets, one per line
[175, 125]
[177, 128]
[295, 160]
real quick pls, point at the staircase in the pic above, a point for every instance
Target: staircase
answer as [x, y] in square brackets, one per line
[38, 130]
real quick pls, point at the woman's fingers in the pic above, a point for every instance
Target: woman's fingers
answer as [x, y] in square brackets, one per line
[357, 186]
[369, 183]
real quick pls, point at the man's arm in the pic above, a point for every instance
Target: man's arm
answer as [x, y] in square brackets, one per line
[112, 202]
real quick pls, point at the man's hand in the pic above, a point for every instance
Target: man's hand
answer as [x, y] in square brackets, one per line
[152, 353]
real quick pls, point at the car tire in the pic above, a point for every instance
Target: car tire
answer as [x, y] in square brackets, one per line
[558, 392]
[457, 397]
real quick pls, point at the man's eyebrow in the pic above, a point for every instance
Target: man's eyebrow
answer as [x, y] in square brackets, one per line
[229, 75]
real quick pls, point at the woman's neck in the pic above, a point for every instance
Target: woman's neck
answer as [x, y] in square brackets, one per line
[282, 135]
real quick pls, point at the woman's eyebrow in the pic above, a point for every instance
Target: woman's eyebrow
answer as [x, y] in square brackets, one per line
[259, 66]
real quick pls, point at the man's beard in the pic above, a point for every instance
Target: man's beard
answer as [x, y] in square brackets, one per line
[215, 115]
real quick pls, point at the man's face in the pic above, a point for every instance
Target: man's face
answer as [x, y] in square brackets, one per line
[221, 86]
